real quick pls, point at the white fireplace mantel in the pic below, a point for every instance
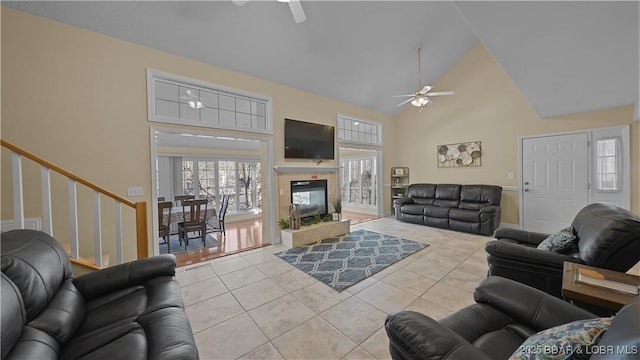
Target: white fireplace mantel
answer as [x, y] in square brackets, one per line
[285, 169]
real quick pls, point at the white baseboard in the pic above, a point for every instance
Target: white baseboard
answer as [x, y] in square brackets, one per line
[29, 223]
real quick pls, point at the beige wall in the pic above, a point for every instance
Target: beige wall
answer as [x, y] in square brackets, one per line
[78, 98]
[488, 107]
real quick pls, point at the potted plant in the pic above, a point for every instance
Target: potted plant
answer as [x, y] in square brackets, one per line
[337, 208]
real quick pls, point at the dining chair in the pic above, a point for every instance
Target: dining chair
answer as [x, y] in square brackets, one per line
[194, 213]
[180, 198]
[164, 230]
[161, 198]
[219, 227]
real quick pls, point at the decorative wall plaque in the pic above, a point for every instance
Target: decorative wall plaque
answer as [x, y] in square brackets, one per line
[460, 155]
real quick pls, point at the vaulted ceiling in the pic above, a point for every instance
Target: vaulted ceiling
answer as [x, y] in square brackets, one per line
[564, 57]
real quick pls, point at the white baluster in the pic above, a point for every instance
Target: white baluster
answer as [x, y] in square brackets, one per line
[119, 256]
[97, 228]
[73, 217]
[18, 202]
[47, 220]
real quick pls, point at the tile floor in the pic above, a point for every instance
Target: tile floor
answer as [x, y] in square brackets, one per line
[252, 305]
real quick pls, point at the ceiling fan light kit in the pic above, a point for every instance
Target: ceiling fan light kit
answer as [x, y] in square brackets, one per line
[420, 97]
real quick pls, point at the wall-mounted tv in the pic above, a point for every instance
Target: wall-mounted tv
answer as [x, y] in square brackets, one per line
[304, 140]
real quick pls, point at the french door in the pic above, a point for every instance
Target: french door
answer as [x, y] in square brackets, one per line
[358, 181]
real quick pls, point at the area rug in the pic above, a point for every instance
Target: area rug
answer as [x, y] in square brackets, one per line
[341, 262]
[194, 244]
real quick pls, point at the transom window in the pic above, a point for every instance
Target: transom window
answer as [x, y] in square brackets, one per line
[179, 100]
[359, 131]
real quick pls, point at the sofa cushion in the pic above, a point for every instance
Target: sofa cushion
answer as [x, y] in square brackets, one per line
[464, 215]
[559, 242]
[436, 211]
[34, 344]
[63, 314]
[425, 191]
[473, 197]
[563, 341]
[448, 192]
[13, 315]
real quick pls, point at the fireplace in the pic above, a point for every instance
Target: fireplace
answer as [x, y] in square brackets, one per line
[311, 195]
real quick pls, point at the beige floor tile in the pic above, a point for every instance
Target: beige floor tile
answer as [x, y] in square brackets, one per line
[319, 297]
[315, 339]
[274, 267]
[194, 274]
[354, 289]
[259, 257]
[258, 293]
[355, 318]
[449, 297]
[386, 297]
[202, 290]
[280, 315]
[210, 312]
[451, 252]
[430, 309]
[264, 352]
[469, 243]
[237, 279]
[463, 279]
[359, 354]
[432, 267]
[231, 339]
[378, 345]
[386, 271]
[409, 282]
[225, 266]
[293, 280]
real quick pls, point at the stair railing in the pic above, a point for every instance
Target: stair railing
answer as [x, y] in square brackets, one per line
[140, 208]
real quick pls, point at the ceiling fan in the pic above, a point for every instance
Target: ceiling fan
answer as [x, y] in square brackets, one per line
[294, 5]
[420, 97]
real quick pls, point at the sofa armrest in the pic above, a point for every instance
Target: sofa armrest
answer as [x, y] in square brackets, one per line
[416, 336]
[402, 201]
[526, 304]
[490, 209]
[527, 237]
[101, 282]
[527, 255]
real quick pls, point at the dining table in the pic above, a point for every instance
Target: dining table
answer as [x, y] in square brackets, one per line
[178, 216]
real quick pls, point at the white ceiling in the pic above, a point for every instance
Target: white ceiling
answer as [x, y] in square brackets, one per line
[565, 57]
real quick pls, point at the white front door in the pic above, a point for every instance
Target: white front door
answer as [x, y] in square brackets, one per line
[554, 180]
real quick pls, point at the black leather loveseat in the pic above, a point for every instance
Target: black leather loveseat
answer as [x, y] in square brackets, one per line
[504, 320]
[469, 208]
[128, 311]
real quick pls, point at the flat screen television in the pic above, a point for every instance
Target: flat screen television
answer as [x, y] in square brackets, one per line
[304, 140]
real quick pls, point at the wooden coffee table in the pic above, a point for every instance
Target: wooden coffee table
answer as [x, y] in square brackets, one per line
[595, 295]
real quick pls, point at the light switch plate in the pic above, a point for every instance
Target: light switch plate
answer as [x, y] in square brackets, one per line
[135, 191]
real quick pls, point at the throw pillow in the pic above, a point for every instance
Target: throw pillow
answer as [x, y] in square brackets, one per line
[563, 342]
[559, 242]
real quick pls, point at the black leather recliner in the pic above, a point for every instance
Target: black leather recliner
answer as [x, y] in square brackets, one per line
[506, 313]
[128, 311]
[607, 237]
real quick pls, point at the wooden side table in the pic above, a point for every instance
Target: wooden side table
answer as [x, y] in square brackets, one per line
[595, 295]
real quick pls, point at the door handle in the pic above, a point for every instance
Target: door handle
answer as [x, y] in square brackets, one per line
[526, 190]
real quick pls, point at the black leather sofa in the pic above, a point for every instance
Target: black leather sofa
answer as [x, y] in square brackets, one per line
[505, 314]
[469, 208]
[128, 311]
[607, 237]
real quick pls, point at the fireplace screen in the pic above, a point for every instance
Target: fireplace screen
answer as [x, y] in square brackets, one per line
[311, 195]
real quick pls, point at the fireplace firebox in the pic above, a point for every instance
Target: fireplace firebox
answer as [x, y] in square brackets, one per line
[311, 195]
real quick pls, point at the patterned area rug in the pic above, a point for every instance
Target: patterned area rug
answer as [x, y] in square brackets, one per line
[344, 261]
[194, 244]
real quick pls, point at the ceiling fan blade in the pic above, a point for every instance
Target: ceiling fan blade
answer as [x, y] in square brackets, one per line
[441, 93]
[406, 101]
[240, 2]
[425, 89]
[403, 95]
[297, 11]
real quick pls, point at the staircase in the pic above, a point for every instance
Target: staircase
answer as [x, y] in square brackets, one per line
[87, 253]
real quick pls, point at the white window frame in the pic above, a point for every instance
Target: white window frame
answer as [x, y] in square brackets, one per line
[367, 132]
[616, 172]
[155, 76]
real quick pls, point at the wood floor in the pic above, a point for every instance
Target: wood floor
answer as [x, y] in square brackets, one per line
[243, 236]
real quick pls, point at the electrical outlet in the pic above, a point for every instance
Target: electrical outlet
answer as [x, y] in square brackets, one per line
[135, 191]
[510, 176]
